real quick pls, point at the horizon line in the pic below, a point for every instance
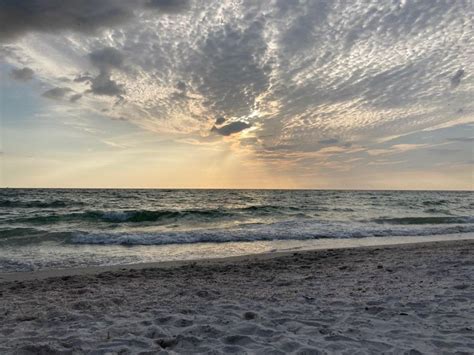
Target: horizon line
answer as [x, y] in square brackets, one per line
[228, 188]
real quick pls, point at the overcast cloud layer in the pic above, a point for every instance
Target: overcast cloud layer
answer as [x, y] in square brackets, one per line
[305, 82]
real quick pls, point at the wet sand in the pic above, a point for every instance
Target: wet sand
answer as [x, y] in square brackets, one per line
[409, 298]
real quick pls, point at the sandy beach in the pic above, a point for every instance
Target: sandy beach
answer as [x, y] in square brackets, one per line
[236, 177]
[402, 299]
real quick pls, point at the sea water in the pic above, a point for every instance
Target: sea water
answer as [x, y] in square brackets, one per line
[61, 228]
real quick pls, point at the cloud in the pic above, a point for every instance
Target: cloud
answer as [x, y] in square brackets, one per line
[397, 148]
[462, 139]
[456, 79]
[75, 97]
[83, 78]
[231, 71]
[107, 58]
[231, 128]
[300, 73]
[169, 6]
[23, 74]
[19, 17]
[181, 86]
[220, 120]
[83, 16]
[329, 141]
[56, 93]
[104, 85]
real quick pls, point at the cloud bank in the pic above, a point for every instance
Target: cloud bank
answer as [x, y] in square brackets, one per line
[84, 16]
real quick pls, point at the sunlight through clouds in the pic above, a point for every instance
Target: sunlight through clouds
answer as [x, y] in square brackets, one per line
[276, 78]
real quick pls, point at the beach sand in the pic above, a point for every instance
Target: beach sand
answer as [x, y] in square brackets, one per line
[402, 299]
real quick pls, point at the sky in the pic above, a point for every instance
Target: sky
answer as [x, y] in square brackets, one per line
[237, 94]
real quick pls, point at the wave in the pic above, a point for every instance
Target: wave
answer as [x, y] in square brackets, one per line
[302, 229]
[438, 211]
[119, 216]
[276, 231]
[16, 232]
[38, 204]
[138, 216]
[153, 216]
[342, 209]
[426, 220]
[435, 202]
[28, 236]
[240, 214]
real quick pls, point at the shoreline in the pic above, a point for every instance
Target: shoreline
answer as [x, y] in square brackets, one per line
[291, 246]
[405, 299]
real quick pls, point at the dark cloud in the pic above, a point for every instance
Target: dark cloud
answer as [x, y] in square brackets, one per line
[231, 128]
[181, 93]
[329, 141]
[181, 86]
[104, 85]
[306, 21]
[24, 74]
[75, 97]
[283, 147]
[85, 16]
[168, 6]
[107, 58]
[56, 93]
[19, 17]
[231, 71]
[83, 78]
[62, 93]
[220, 120]
[456, 79]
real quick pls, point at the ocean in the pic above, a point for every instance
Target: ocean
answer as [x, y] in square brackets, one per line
[63, 228]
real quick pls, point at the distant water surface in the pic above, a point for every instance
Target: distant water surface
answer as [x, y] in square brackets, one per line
[44, 228]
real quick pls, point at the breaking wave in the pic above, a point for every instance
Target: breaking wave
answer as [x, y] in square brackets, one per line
[137, 216]
[290, 230]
